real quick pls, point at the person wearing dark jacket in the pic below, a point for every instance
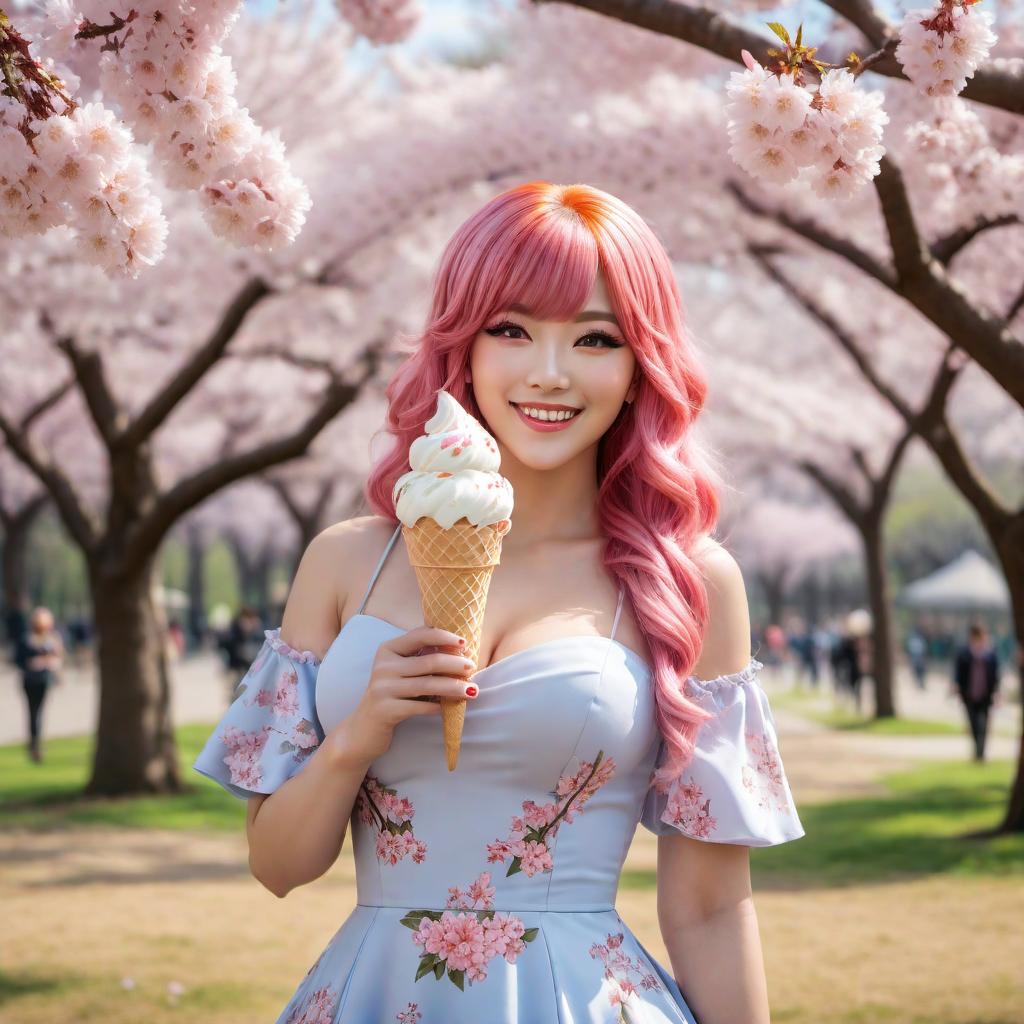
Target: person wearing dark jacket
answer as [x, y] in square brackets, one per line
[976, 675]
[241, 645]
[39, 654]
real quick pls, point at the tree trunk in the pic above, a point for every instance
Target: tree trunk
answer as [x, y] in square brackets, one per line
[135, 751]
[1011, 556]
[196, 585]
[773, 587]
[261, 566]
[882, 661]
[17, 528]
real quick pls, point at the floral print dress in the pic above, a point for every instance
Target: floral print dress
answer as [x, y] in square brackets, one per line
[487, 895]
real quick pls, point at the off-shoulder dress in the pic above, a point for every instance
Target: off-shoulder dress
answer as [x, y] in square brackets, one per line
[487, 895]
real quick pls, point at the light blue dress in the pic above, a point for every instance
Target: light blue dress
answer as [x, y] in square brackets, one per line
[486, 895]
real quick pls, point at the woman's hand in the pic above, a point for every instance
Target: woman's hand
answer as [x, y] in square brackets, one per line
[400, 676]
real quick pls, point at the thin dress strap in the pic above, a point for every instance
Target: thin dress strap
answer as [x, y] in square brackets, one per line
[380, 565]
[618, 612]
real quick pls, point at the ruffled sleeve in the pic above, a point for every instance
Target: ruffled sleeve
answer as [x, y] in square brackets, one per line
[735, 789]
[271, 729]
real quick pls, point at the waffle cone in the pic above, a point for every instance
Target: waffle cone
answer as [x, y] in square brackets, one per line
[453, 568]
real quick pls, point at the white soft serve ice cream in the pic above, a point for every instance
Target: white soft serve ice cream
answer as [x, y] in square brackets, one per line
[454, 472]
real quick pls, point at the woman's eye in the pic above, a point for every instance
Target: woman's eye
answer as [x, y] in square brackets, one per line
[601, 336]
[499, 329]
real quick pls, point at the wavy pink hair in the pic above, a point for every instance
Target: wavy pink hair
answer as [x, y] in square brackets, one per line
[541, 244]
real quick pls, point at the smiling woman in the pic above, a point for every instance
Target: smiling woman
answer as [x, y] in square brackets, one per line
[488, 893]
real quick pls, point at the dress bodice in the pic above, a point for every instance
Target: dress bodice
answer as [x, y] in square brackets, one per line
[554, 772]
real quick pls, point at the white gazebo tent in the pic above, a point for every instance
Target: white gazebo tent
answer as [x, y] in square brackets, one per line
[969, 583]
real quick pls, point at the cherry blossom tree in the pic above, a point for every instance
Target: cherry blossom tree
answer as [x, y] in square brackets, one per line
[779, 542]
[419, 161]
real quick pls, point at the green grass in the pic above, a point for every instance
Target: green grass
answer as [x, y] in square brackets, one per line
[47, 795]
[913, 829]
[842, 718]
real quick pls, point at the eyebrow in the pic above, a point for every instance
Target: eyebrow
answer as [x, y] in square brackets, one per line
[590, 314]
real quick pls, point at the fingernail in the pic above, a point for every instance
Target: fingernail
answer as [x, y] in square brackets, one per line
[470, 691]
[461, 641]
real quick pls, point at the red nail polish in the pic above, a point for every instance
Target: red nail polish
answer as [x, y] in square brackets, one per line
[471, 691]
[461, 641]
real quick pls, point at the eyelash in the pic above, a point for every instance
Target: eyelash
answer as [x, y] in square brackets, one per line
[496, 330]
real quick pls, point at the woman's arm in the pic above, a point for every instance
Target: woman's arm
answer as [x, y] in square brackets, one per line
[709, 926]
[705, 902]
[297, 832]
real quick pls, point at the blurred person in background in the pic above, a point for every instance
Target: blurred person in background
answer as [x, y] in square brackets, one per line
[917, 654]
[976, 677]
[851, 656]
[775, 644]
[39, 655]
[241, 644]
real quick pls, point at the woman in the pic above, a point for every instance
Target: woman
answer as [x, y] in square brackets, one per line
[487, 893]
[39, 655]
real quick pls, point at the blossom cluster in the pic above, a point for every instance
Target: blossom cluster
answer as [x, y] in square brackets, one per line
[778, 129]
[79, 168]
[940, 49]
[465, 943]
[161, 61]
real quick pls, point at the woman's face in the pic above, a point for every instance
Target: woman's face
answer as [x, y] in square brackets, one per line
[42, 621]
[584, 363]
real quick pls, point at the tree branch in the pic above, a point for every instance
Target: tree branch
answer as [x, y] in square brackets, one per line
[821, 237]
[80, 522]
[919, 279]
[930, 423]
[1000, 84]
[45, 404]
[947, 246]
[92, 382]
[162, 404]
[188, 493]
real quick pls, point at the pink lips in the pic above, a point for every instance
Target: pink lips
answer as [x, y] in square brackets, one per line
[542, 426]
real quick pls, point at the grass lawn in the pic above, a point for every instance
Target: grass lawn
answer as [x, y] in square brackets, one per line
[144, 909]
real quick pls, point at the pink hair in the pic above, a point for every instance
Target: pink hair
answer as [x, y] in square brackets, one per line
[541, 245]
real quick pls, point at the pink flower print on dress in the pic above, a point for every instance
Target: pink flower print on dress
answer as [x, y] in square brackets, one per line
[765, 779]
[410, 1015]
[243, 757]
[618, 968]
[462, 945]
[689, 811]
[526, 843]
[479, 895]
[319, 1008]
[391, 815]
[245, 749]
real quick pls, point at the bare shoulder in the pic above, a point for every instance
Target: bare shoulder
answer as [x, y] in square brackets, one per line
[726, 646]
[329, 566]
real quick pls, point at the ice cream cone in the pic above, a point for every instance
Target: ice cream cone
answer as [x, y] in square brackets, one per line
[453, 567]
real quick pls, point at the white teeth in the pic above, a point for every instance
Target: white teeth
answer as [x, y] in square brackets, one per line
[545, 415]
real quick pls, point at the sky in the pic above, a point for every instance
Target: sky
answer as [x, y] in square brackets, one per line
[448, 24]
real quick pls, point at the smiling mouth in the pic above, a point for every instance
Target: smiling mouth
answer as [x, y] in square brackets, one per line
[560, 419]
